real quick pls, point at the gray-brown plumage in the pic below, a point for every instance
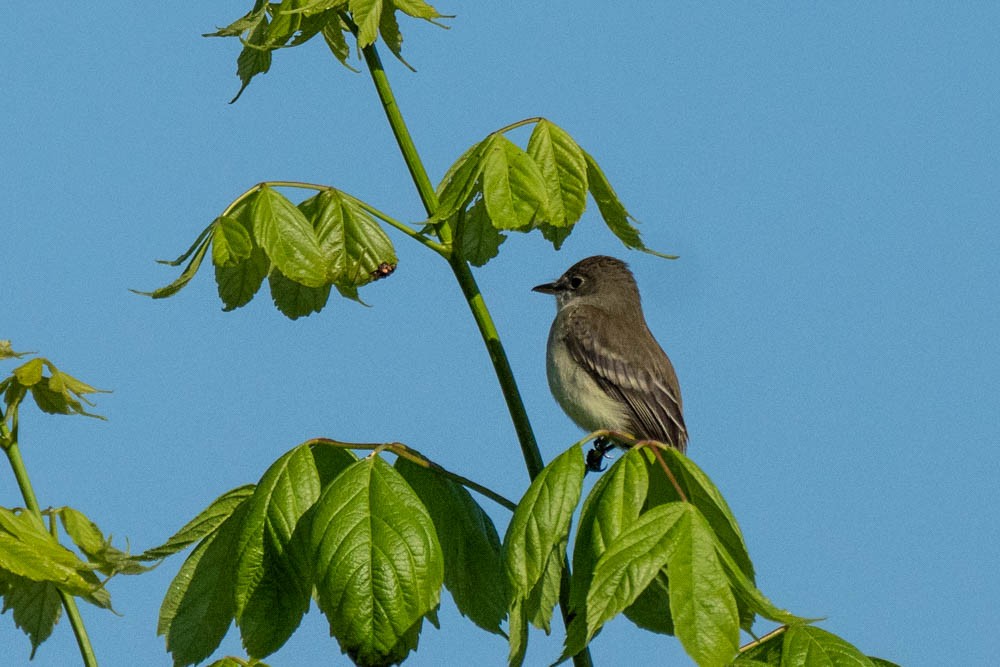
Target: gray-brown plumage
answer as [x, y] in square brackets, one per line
[604, 366]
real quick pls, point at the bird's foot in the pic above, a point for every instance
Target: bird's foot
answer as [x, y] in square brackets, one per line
[598, 453]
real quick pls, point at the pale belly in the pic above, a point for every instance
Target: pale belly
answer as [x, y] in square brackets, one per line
[580, 396]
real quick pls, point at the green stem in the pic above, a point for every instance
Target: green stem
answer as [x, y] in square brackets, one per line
[487, 329]
[13, 453]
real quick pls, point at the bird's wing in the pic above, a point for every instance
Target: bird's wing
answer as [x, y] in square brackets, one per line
[641, 377]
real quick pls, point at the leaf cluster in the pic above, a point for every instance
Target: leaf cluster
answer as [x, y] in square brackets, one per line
[373, 543]
[334, 240]
[495, 187]
[270, 26]
[35, 568]
[370, 542]
[52, 390]
[327, 241]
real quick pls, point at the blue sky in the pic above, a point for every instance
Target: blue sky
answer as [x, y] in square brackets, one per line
[828, 174]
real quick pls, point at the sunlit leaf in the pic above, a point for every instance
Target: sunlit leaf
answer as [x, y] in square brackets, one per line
[473, 568]
[535, 543]
[513, 186]
[95, 546]
[417, 9]
[703, 494]
[28, 550]
[611, 507]
[458, 186]
[272, 571]
[564, 169]
[288, 238]
[366, 14]
[200, 602]
[702, 605]
[806, 645]
[379, 566]
[7, 352]
[231, 242]
[207, 521]
[631, 560]
[618, 220]
[355, 247]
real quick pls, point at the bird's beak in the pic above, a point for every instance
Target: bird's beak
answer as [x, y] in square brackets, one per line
[547, 288]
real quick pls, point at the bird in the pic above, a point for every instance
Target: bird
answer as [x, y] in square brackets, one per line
[604, 366]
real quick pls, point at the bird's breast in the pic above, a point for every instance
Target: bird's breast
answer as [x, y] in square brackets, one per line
[578, 393]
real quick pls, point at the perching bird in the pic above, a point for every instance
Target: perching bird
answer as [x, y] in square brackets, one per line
[604, 367]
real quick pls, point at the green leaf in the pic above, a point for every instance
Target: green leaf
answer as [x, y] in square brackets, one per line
[748, 596]
[321, 6]
[7, 352]
[295, 300]
[564, 171]
[703, 494]
[286, 21]
[882, 662]
[518, 631]
[366, 14]
[764, 651]
[809, 645]
[200, 602]
[97, 548]
[473, 568]
[611, 507]
[393, 38]
[417, 9]
[651, 610]
[231, 242]
[458, 186]
[30, 373]
[333, 35]
[247, 22]
[618, 220]
[535, 543]
[378, 562]
[28, 550]
[513, 186]
[255, 58]
[356, 248]
[36, 606]
[207, 522]
[238, 284]
[272, 570]
[186, 275]
[58, 393]
[632, 560]
[190, 251]
[288, 239]
[702, 605]
[478, 239]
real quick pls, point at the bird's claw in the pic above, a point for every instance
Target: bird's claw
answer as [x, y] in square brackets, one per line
[599, 452]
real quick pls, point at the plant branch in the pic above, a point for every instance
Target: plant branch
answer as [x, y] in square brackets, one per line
[487, 328]
[484, 321]
[13, 453]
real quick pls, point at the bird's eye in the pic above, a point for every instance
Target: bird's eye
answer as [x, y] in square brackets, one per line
[575, 282]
